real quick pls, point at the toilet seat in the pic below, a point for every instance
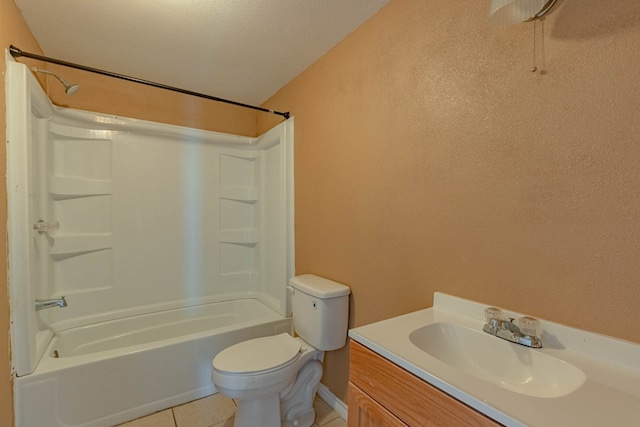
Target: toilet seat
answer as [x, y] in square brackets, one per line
[259, 366]
[258, 356]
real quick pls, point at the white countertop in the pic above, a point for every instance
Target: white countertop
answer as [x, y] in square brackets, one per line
[610, 395]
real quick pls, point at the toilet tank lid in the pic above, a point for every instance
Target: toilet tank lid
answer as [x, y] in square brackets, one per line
[319, 286]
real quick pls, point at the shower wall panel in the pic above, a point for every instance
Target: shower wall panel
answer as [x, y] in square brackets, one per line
[138, 217]
[176, 216]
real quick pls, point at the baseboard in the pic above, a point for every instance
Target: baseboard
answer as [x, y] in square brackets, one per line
[338, 405]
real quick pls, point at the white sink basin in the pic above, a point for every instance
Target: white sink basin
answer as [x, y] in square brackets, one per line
[511, 366]
[577, 379]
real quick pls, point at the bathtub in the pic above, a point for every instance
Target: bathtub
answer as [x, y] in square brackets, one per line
[115, 371]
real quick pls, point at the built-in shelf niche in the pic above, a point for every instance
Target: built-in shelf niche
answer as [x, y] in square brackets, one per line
[78, 243]
[80, 191]
[82, 271]
[83, 215]
[236, 258]
[62, 187]
[239, 194]
[81, 158]
[248, 194]
[241, 237]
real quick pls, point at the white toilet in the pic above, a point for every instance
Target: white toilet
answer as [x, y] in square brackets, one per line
[274, 379]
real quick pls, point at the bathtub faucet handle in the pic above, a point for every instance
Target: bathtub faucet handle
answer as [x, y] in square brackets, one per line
[45, 227]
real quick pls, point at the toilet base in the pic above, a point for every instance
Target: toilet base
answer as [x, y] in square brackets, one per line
[296, 404]
[262, 412]
[291, 408]
[303, 420]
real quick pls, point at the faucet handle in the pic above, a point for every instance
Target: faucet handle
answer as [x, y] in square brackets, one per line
[530, 326]
[493, 313]
[45, 227]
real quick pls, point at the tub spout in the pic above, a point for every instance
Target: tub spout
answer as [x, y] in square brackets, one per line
[48, 303]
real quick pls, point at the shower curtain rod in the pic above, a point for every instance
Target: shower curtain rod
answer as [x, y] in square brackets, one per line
[16, 53]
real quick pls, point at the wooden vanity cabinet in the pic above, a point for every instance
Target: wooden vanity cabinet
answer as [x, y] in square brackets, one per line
[382, 394]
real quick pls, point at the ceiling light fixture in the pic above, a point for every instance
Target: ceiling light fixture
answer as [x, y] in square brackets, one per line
[503, 13]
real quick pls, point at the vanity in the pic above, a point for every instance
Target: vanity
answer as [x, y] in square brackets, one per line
[436, 367]
[404, 399]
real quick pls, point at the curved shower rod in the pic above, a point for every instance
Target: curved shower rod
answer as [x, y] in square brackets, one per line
[16, 53]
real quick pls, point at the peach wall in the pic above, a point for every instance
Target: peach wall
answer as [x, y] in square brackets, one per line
[120, 97]
[13, 30]
[429, 158]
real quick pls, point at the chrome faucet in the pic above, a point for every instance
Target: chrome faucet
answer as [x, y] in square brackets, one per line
[48, 303]
[509, 331]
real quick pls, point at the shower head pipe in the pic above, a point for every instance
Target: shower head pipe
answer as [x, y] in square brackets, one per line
[69, 88]
[17, 53]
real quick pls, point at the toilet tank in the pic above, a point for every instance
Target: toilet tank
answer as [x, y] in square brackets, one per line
[320, 311]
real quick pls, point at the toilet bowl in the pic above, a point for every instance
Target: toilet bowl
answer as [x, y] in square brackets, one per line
[274, 379]
[258, 387]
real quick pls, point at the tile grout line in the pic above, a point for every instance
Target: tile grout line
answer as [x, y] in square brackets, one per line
[173, 414]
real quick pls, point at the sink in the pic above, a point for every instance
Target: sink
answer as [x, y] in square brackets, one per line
[511, 366]
[577, 379]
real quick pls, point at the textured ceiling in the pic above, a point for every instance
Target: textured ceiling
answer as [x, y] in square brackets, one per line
[244, 50]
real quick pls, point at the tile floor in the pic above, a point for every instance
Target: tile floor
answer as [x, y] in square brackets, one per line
[218, 411]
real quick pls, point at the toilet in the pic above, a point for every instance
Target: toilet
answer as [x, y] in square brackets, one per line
[274, 379]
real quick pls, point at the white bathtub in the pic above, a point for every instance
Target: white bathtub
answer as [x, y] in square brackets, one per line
[111, 372]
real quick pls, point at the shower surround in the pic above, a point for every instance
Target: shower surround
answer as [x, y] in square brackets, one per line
[168, 243]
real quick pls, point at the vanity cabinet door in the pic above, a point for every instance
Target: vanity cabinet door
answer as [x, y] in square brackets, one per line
[366, 412]
[413, 401]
